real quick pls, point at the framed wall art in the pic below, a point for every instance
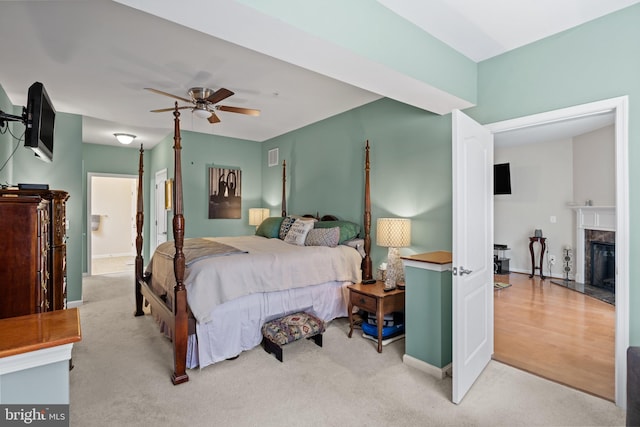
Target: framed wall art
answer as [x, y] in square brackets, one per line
[225, 193]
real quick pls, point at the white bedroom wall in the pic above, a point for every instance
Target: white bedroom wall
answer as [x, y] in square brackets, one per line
[594, 176]
[542, 187]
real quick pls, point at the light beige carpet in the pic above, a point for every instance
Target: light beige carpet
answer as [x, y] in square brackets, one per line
[123, 364]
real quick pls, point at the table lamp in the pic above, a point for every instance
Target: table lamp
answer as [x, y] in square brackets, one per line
[393, 233]
[257, 215]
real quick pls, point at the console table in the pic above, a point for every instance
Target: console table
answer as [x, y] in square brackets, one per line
[543, 247]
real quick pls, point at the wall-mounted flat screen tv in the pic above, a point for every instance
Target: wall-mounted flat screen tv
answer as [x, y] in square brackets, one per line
[501, 179]
[40, 121]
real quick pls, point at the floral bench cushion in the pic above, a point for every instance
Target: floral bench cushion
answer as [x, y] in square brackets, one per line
[292, 327]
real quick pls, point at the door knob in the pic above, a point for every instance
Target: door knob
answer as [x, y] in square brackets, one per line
[464, 271]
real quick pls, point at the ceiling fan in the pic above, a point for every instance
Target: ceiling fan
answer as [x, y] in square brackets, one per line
[205, 102]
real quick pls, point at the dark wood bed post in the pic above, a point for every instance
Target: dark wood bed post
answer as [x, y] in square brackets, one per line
[181, 326]
[367, 268]
[139, 224]
[284, 189]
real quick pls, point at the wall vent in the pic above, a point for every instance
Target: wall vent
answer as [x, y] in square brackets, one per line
[273, 157]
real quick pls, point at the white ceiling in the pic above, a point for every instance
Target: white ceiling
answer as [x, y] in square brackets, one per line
[96, 56]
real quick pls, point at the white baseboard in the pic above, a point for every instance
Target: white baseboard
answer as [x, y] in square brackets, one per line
[73, 304]
[528, 271]
[112, 255]
[427, 368]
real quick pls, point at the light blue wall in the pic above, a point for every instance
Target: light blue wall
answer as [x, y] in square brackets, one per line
[595, 61]
[7, 142]
[410, 170]
[199, 152]
[5, 139]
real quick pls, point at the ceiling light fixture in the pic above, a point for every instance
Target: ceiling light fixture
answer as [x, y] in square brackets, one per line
[124, 138]
[202, 113]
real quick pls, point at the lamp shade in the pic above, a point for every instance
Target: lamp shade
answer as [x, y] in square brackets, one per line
[257, 215]
[393, 232]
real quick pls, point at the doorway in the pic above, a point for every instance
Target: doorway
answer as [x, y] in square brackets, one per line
[619, 108]
[163, 195]
[111, 223]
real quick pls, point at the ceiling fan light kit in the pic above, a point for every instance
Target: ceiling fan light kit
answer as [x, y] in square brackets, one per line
[204, 102]
[202, 113]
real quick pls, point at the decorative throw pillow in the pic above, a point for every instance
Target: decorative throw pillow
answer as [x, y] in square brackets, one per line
[270, 227]
[286, 224]
[297, 234]
[348, 230]
[323, 237]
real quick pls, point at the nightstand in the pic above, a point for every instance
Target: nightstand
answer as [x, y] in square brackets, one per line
[374, 299]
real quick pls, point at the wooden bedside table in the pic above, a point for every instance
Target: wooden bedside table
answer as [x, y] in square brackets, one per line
[374, 299]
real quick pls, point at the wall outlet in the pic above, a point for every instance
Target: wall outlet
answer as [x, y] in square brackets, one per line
[552, 259]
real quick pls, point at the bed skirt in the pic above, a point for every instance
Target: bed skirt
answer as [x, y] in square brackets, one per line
[236, 325]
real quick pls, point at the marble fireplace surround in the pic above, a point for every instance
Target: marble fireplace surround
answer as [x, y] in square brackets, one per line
[595, 218]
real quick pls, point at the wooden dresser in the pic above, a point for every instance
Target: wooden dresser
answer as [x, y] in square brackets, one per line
[33, 267]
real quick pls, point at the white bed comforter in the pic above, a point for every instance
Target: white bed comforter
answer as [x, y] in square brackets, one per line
[270, 265]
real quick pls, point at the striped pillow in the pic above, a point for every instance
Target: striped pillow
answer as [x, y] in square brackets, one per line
[287, 222]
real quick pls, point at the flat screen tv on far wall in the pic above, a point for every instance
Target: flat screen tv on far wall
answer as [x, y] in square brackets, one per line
[40, 120]
[501, 179]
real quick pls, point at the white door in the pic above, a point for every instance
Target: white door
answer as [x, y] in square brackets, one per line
[161, 213]
[472, 252]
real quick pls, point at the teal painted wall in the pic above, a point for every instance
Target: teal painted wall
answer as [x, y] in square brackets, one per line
[46, 385]
[7, 143]
[428, 315]
[64, 173]
[410, 170]
[595, 61]
[113, 160]
[371, 30]
[199, 152]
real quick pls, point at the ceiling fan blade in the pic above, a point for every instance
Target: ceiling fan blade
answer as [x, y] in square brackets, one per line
[213, 118]
[219, 95]
[162, 110]
[168, 94]
[249, 111]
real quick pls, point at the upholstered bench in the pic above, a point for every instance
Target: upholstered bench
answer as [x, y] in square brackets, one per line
[279, 332]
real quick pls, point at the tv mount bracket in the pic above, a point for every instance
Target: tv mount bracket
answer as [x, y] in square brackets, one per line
[4, 117]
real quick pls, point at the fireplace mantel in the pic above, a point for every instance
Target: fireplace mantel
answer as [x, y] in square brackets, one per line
[590, 218]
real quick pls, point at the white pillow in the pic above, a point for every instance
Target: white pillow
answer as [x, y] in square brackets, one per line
[297, 234]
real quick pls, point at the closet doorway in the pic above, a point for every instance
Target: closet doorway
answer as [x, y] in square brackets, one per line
[111, 208]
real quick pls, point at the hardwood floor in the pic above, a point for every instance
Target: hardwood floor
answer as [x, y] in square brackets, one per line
[556, 333]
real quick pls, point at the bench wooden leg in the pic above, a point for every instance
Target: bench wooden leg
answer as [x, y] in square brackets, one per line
[317, 339]
[271, 347]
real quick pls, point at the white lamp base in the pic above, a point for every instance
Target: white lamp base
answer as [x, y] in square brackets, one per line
[395, 272]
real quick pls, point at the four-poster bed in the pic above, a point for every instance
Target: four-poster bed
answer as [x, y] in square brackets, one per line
[224, 291]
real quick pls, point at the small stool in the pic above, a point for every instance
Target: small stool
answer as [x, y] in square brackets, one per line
[282, 331]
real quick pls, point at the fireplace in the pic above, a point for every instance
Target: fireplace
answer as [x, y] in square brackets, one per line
[593, 224]
[603, 265]
[600, 261]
